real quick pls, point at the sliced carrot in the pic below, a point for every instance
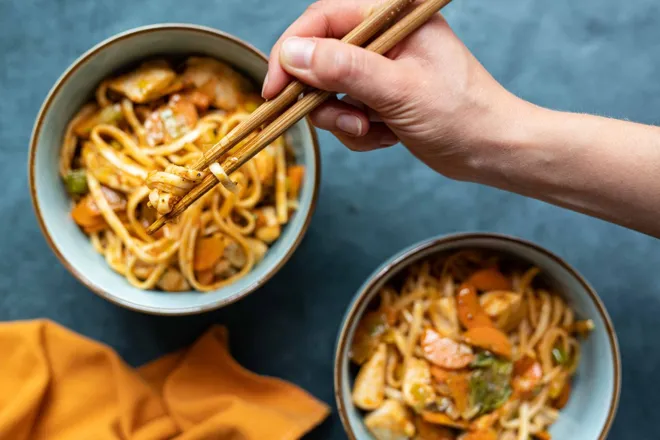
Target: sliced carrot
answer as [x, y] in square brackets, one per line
[486, 421]
[527, 374]
[459, 388]
[565, 394]
[487, 434]
[427, 431]
[489, 338]
[470, 312]
[543, 435]
[208, 251]
[443, 420]
[95, 227]
[295, 176]
[445, 352]
[85, 213]
[439, 374]
[489, 279]
[199, 99]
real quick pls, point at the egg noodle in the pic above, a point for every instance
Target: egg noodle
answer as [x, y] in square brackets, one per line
[466, 347]
[151, 125]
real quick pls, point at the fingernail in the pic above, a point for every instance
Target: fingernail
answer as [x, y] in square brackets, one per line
[349, 124]
[388, 140]
[297, 52]
[264, 86]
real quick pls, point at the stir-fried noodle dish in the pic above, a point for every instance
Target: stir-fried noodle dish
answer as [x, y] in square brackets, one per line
[467, 346]
[129, 156]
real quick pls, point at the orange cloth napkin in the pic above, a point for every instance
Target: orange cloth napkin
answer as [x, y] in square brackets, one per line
[57, 385]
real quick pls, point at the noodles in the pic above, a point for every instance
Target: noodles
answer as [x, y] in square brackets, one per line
[499, 348]
[151, 125]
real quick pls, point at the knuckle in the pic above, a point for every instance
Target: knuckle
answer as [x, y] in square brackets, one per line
[339, 65]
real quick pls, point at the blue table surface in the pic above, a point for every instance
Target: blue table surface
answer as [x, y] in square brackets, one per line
[596, 56]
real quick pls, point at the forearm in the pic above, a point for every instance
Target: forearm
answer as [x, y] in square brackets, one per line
[602, 167]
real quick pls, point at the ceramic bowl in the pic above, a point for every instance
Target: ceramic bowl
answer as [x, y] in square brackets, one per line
[52, 206]
[593, 403]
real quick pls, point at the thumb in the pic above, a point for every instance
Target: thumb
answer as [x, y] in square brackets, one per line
[331, 65]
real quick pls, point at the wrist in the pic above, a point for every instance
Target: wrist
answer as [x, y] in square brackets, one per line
[507, 143]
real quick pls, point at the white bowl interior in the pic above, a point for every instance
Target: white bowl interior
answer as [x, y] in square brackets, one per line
[596, 384]
[76, 89]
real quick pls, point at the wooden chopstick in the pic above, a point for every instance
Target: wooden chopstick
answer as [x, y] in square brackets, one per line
[300, 109]
[269, 109]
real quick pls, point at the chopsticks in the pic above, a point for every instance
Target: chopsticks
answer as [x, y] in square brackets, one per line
[312, 99]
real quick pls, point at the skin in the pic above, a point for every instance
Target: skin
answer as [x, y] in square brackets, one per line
[432, 95]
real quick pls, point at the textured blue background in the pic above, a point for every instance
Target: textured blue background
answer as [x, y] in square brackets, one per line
[597, 56]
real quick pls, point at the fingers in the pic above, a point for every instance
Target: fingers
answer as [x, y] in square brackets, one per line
[338, 116]
[331, 65]
[330, 18]
[352, 126]
[378, 136]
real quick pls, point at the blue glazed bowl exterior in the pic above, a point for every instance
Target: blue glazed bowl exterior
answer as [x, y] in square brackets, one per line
[52, 206]
[595, 397]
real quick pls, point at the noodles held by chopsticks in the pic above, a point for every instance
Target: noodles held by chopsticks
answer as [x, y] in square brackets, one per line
[468, 347]
[127, 158]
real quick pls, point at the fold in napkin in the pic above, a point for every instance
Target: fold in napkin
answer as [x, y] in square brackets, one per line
[57, 385]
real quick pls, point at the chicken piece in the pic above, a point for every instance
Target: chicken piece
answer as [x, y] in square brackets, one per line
[171, 121]
[234, 253]
[369, 387]
[503, 307]
[173, 281]
[222, 84]
[224, 269]
[391, 421]
[268, 234]
[417, 389]
[268, 228]
[150, 81]
[266, 216]
[258, 247]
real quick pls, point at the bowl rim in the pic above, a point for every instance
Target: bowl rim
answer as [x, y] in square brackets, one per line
[34, 140]
[402, 259]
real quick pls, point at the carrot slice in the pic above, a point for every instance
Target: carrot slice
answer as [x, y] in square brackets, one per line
[488, 434]
[208, 251]
[443, 420]
[565, 394]
[527, 374]
[85, 213]
[489, 338]
[427, 431]
[459, 388]
[543, 435]
[445, 352]
[439, 374]
[489, 279]
[470, 312]
[295, 175]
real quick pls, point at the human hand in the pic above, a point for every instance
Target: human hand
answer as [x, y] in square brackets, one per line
[429, 92]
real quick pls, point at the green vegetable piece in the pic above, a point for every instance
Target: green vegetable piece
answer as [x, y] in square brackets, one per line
[76, 182]
[483, 359]
[490, 387]
[559, 355]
